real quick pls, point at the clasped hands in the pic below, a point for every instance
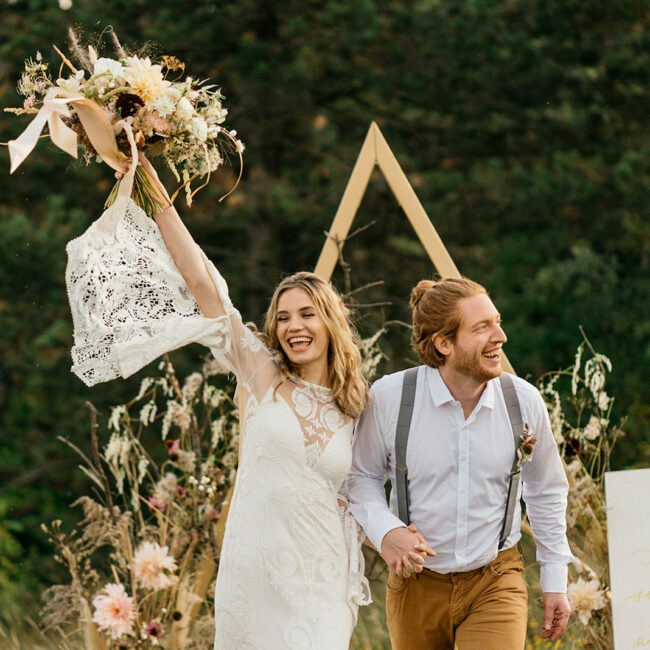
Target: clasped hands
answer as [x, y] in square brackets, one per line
[404, 550]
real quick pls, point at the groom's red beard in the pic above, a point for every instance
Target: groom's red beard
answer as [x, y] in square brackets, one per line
[471, 365]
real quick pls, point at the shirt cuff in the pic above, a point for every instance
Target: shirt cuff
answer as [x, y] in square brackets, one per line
[553, 578]
[381, 524]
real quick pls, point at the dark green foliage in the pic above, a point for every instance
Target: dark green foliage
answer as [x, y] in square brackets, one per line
[522, 125]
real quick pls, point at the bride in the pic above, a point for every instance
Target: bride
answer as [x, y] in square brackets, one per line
[291, 568]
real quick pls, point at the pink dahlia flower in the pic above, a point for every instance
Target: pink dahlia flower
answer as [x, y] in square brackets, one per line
[114, 611]
[150, 564]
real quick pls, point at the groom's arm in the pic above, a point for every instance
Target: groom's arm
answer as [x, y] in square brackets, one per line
[545, 490]
[368, 474]
[402, 548]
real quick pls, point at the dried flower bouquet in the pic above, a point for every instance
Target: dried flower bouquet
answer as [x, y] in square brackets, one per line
[112, 106]
[146, 552]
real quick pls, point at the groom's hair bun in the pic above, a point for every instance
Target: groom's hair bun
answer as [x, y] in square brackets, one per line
[419, 290]
[437, 313]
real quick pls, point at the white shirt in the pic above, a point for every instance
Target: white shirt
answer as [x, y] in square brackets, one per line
[458, 475]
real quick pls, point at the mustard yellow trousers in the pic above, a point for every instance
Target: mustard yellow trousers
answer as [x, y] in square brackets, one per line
[483, 609]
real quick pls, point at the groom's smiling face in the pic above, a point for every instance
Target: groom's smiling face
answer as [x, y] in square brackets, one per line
[476, 352]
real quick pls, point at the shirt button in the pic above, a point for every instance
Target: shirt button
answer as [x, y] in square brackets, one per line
[462, 524]
[463, 457]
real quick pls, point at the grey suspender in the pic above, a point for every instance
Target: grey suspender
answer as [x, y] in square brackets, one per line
[517, 425]
[401, 441]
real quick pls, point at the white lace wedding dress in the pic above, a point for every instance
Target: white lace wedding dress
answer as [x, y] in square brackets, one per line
[291, 569]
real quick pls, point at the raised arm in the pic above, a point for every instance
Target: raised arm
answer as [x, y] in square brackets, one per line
[185, 252]
[138, 289]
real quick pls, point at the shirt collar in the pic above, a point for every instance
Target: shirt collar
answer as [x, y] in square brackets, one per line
[439, 392]
[441, 395]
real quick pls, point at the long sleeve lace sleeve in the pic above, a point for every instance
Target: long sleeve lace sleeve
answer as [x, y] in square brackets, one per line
[358, 585]
[130, 304]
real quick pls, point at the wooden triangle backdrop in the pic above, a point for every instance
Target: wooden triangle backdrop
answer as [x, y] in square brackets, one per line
[375, 151]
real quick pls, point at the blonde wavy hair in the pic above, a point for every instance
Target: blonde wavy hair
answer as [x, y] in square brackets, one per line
[437, 313]
[349, 386]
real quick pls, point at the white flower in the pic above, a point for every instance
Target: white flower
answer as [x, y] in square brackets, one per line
[586, 596]
[65, 4]
[111, 66]
[70, 85]
[179, 415]
[144, 387]
[214, 159]
[192, 384]
[116, 416]
[145, 78]
[165, 490]
[184, 109]
[596, 383]
[199, 128]
[603, 401]
[592, 430]
[173, 93]
[164, 105]
[186, 460]
[150, 564]
[148, 413]
[217, 114]
[117, 450]
[142, 469]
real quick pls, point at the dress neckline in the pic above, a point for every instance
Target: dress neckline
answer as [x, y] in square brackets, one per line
[321, 391]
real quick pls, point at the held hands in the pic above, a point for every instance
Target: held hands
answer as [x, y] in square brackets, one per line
[404, 551]
[556, 615]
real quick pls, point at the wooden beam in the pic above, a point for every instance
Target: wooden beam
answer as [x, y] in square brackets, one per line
[375, 151]
[347, 210]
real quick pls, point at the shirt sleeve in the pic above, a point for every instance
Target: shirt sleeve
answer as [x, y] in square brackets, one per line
[130, 305]
[367, 477]
[545, 489]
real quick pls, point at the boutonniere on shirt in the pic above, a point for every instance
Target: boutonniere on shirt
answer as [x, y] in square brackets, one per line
[525, 451]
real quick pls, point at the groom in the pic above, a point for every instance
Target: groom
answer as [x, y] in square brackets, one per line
[460, 455]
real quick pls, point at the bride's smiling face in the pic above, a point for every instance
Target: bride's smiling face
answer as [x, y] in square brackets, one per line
[301, 332]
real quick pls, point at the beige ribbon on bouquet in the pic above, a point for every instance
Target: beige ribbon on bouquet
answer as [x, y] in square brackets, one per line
[56, 106]
[95, 123]
[100, 132]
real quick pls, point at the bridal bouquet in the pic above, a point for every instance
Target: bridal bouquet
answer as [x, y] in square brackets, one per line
[115, 107]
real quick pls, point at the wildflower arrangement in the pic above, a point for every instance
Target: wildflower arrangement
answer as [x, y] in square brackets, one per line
[113, 106]
[580, 412]
[147, 549]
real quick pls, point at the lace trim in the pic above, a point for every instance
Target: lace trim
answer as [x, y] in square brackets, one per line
[318, 415]
[358, 585]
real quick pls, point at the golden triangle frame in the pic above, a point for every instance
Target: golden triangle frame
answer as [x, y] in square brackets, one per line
[375, 151]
